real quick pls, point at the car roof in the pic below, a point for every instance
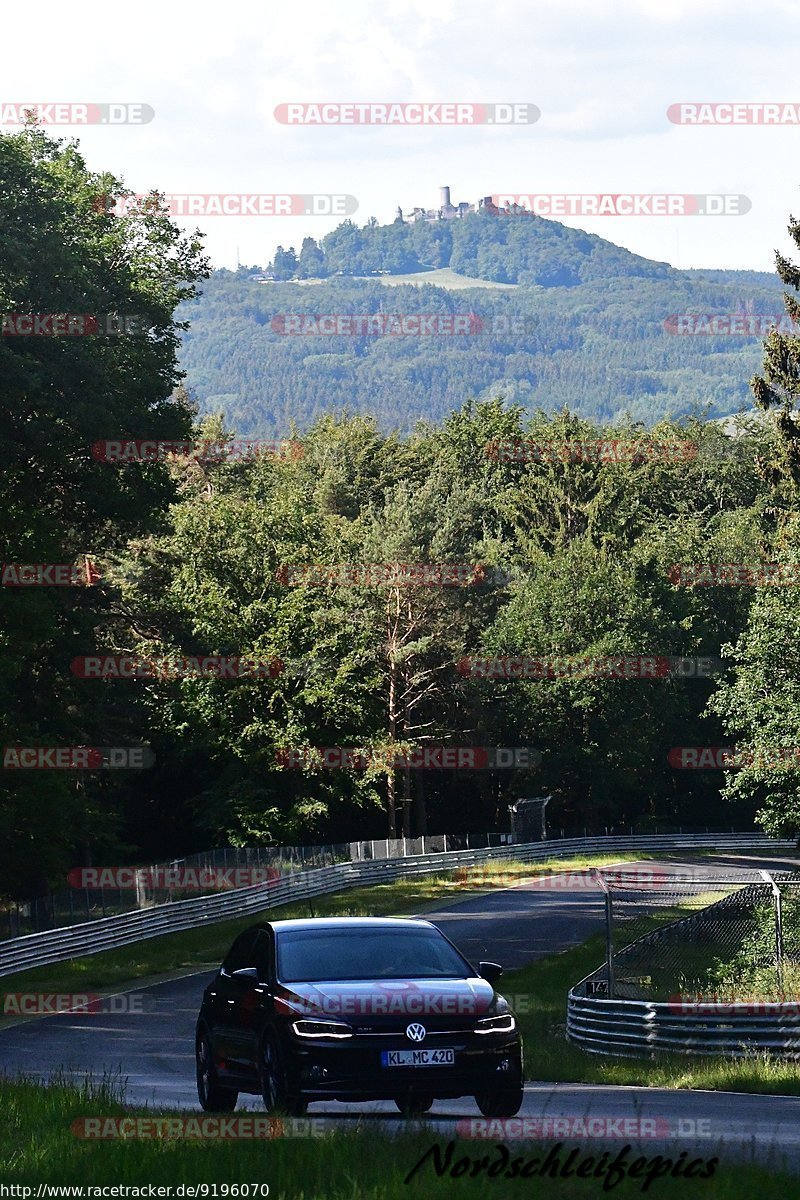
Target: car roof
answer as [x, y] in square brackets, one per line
[345, 923]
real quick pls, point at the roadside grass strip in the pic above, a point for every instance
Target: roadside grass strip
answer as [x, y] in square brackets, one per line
[38, 1144]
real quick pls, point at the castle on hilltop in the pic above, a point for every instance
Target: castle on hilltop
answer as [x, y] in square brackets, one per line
[446, 211]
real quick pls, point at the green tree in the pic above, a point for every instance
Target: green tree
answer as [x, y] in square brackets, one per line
[759, 703]
[311, 261]
[777, 391]
[284, 264]
[61, 251]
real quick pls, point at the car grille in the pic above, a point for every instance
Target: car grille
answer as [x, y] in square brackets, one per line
[401, 1032]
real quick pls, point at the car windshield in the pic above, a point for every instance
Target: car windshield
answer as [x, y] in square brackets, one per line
[314, 955]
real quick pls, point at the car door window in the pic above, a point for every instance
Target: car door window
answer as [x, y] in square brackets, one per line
[242, 953]
[264, 957]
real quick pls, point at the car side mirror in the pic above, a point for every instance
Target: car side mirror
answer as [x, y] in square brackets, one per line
[249, 974]
[490, 971]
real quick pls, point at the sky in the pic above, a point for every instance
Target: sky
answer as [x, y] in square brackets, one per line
[602, 74]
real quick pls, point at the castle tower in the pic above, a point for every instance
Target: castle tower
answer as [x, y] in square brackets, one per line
[444, 195]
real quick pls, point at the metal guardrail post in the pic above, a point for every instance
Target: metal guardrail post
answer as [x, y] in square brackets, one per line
[779, 934]
[609, 930]
[777, 900]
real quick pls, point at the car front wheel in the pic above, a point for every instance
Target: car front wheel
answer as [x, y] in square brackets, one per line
[503, 1101]
[212, 1096]
[274, 1086]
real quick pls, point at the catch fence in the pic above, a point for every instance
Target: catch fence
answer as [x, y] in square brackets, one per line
[671, 934]
[704, 964]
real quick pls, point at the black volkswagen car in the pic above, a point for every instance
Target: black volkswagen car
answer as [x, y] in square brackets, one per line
[355, 1008]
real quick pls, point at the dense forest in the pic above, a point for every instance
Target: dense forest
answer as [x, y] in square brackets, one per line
[559, 554]
[596, 331]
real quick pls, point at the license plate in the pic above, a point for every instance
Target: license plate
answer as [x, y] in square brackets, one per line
[418, 1058]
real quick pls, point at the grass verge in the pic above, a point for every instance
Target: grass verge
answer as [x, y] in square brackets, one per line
[37, 1145]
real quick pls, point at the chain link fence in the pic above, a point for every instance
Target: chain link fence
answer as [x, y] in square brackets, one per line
[701, 936]
[208, 872]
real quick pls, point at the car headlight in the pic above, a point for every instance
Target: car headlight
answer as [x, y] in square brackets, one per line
[504, 1024]
[321, 1029]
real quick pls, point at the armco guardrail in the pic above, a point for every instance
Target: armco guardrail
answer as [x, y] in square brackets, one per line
[92, 937]
[637, 1028]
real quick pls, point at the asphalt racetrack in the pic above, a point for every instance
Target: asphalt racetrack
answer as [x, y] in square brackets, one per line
[150, 1052]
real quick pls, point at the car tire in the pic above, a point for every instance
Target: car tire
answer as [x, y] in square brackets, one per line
[212, 1096]
[274, 1085]
[503, 1101]
[414, 1104]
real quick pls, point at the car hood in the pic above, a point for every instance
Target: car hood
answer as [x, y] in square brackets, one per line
[387, 997]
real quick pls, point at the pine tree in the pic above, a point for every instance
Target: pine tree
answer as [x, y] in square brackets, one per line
[778, 389]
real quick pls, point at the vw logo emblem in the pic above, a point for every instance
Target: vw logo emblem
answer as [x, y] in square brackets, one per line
[416, 1032]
